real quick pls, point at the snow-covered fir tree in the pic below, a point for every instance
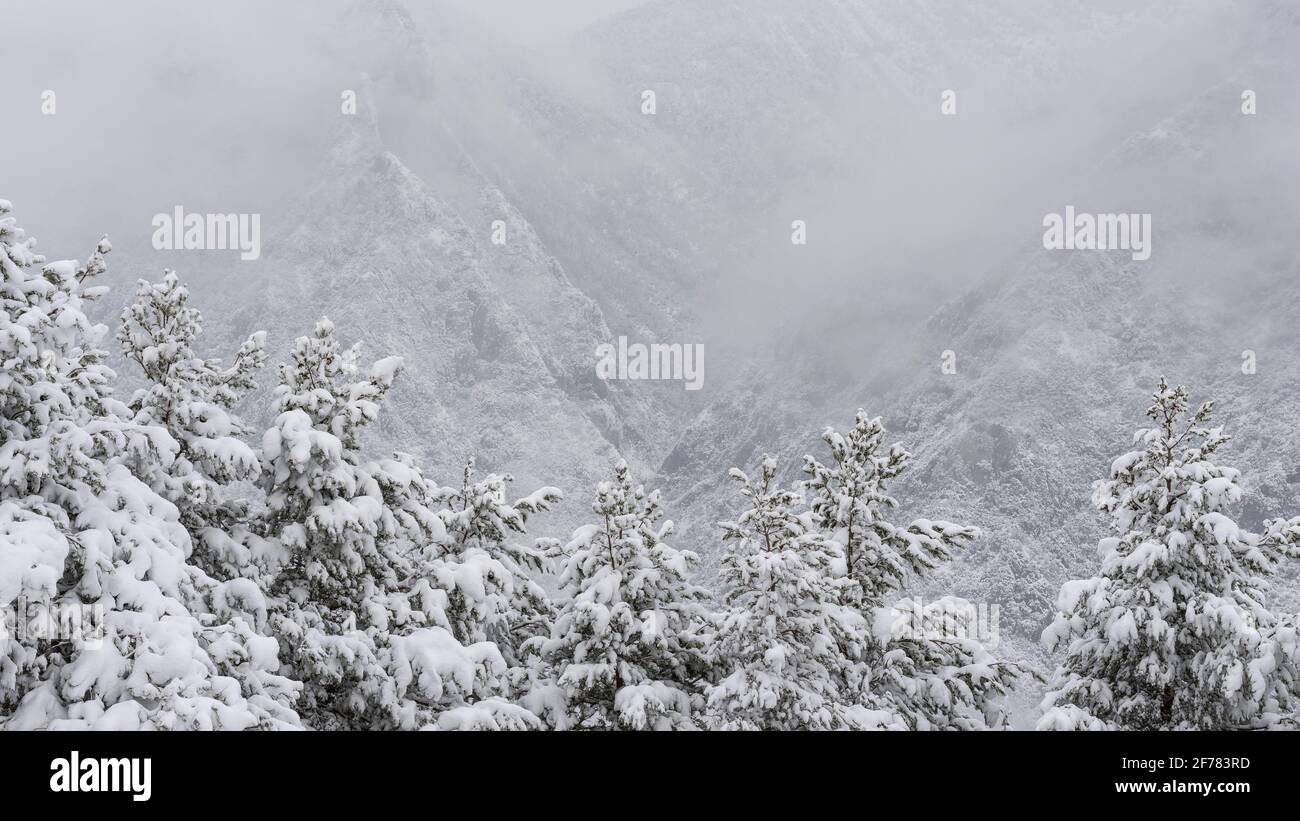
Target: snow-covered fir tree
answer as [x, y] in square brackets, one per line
[629, 646]
[849, 500]
[193, 399]
[930, 667]
[1174, 632]
[932, 679]
[490, 574]
[786, 642]
[161, 644]
[357, 608]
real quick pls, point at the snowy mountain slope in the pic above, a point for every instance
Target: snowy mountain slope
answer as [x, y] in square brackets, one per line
[612, 197]
[782, 90]
[497, 343]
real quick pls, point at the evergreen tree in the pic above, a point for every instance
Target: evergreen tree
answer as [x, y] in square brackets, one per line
[192, 398]
[490, 576]
[160, 645]
[787, 643]
[628, 648]
[1175, 633]
[848, 500]
[360, 616]
[931, 679]
[929, 666]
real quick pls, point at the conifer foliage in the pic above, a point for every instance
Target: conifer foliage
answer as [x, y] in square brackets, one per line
[160, 644]
[193, 399]
[848, 499]
[628, 647]
[785, 644]
[357, 608]
[492, 575]
[928, 678]
[1174, 631]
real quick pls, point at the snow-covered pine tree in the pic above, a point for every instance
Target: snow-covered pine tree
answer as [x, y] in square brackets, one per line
[628, 648]
[192, 398]
[360, 617]
[932, 679]
[160, 645]
[848, 501]
[1174, 633]
[931, 668]
[781, 644]
[489, 573]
